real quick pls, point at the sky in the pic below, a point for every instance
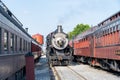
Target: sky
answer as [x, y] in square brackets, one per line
[43, 16]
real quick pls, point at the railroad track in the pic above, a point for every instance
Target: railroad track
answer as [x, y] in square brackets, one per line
[76, 73]
[56, 75]
[66, 73]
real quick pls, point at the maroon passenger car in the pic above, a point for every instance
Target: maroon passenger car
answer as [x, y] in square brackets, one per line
[101, 44]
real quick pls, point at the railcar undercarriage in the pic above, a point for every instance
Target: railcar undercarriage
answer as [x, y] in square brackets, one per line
[106, 64]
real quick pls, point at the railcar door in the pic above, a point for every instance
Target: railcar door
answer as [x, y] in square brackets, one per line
[92, 45]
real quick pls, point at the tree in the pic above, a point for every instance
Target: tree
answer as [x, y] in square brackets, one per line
[78, 29]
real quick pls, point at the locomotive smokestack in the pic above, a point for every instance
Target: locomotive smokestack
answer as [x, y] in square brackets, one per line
[59, 28]
[26, 29]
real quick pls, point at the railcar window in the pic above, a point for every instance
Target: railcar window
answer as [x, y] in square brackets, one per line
[0, 40]
[24, 45]
[113, 28]
[119, 22]
[5, 41]
[118, 27]
[29, 46]
[107, 31]
[12, 42]
[15, 43]
[20, 44]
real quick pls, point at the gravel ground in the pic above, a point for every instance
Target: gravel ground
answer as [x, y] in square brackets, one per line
[43, 72]
[67, 74]
[91, 73]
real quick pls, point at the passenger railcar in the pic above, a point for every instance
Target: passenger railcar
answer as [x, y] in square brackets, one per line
[15, 42]
[36, 50]
[58, 50]
[100, 46]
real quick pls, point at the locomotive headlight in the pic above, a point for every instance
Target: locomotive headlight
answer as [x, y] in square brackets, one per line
[59, 41]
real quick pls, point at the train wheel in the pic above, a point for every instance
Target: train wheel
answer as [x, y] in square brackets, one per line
[82, 59]
[104, 64]
[74, 59]
[114, 66]
[90, 61]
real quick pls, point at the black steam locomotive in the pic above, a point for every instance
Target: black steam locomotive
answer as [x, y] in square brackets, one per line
[58, 50]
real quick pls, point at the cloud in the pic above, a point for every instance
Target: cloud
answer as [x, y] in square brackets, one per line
[71, 12]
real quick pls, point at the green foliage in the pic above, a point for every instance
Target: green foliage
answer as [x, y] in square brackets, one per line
[78, 29]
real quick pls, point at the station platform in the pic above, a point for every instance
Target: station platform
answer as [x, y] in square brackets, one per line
[42, 70]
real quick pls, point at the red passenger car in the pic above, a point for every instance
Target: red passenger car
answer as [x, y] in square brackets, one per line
[36, 50]
[101, 44]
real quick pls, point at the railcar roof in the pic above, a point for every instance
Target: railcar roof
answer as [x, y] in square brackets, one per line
[109, 17]
[10, 16]
[83, 34]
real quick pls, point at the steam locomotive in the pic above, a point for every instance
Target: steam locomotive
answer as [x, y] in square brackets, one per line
[58, 50]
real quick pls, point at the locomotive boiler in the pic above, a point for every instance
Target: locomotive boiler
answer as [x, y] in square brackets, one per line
[58, 50]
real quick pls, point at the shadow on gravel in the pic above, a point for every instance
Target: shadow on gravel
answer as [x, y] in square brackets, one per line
[74, 63]
[52, 74]
[114, 73]
[43, 71]
[41, 64]
[109, 71]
